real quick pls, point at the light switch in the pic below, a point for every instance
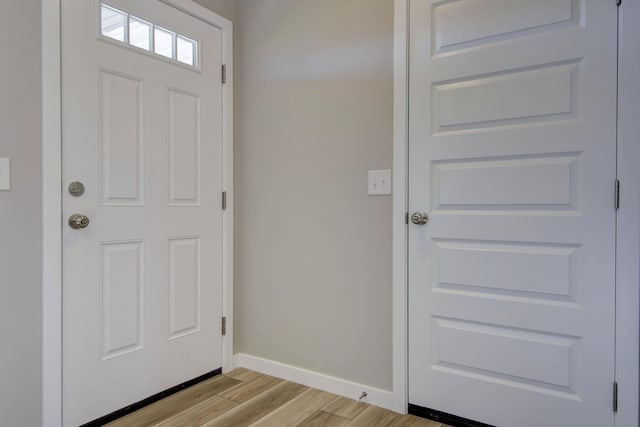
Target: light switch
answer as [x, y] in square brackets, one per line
[5, 174]
[379, 182]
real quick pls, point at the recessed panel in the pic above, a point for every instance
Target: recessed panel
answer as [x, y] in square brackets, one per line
[510, 356]
[511, 97]
[465, 23]
[537, 183]
[122, 285]
[184, 149]
[529, 270]
[184, 286]
[121, 140]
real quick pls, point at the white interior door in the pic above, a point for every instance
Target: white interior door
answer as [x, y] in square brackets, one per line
[513, 156]
[142, 130]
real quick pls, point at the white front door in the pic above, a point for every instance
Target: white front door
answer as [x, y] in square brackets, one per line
[513, 158]
[142, 131]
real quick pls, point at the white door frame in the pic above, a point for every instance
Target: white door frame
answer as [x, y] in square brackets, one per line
[52, 197]
[628, 239]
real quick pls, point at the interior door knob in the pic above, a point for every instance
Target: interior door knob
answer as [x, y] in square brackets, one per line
[78, 222]
[420, 218]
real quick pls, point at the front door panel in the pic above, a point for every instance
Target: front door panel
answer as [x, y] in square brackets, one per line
[142, 132]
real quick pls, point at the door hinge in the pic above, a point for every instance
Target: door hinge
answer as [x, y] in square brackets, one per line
[224, 326]
[224, 200]
[617, 194]
[406, 218]
[224, 73]
[615, 397]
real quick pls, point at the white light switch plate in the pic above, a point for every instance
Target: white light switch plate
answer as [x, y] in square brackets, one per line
[5, 174]
[380, 182]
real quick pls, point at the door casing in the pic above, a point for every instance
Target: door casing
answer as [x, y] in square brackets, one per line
[52, 197]
[628, 222]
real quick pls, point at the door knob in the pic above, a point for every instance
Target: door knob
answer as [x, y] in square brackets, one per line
[420, 218]
[78, 222]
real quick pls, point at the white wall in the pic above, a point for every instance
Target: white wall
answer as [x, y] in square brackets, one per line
[313, 251]
[225, 8]
[20, 216]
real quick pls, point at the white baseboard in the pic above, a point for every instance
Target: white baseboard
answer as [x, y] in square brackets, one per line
[327, 383]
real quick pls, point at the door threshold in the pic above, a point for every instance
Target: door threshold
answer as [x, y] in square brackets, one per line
[443, 417]
[150, 400]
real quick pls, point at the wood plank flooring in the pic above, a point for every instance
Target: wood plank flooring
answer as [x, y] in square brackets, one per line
[244, 398]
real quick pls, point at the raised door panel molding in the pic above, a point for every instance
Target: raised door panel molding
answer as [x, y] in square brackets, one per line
[184, 286]
[184, 148]
[121, 123]
[496, 20]
[533, 360]
[541, 183]
[122, 298]
[516, 97]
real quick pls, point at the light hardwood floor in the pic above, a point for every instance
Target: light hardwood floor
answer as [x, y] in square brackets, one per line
[246, 398]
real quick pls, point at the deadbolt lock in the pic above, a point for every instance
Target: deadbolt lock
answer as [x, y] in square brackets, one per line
[76, 189]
